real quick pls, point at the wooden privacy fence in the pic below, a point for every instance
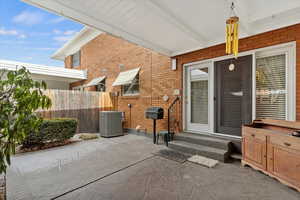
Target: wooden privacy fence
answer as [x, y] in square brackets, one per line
[82, 105]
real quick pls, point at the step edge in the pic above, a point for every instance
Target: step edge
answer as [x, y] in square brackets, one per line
[194, 146]
[203, 138]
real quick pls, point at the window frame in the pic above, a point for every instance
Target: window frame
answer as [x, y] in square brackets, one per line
[79, 59]
[286, 78]
[103, 84]
[136, 81]
[290, 64]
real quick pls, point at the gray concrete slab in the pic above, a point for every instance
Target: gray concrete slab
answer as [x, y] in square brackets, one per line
[36, 176]
[158, 178]
[48, 173]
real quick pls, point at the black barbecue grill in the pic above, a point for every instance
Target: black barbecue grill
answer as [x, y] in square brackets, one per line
[154, 113]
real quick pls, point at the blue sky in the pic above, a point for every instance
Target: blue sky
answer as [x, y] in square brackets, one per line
[30, 34]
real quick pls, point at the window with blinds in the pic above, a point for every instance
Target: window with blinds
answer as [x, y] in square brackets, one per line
[271, 87]
[199, 96]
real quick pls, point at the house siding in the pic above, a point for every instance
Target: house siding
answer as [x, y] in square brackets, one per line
[102, 57]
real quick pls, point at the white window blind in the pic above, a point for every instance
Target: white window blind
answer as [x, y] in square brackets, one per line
[199, 102]
[271, 87]
[199, 95]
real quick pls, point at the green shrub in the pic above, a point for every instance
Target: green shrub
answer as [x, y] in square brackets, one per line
[52, 130]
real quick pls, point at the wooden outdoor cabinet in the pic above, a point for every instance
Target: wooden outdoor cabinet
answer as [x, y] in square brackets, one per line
[255, 147]
[268, 146]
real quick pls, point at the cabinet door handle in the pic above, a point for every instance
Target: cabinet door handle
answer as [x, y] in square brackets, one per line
[253, 135]
[287, 144]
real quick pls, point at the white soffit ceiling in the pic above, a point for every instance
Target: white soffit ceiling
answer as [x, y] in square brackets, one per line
[173, 27]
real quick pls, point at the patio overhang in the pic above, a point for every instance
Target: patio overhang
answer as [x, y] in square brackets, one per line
[43, 72]
[175, 27]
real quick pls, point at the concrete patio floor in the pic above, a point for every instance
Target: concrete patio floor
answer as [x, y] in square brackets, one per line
[125, 168]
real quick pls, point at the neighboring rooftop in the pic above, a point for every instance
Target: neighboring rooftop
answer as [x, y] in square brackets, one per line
[74, 45]
[43, 70]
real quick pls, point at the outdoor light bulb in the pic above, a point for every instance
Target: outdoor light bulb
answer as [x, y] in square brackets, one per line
[231, 67]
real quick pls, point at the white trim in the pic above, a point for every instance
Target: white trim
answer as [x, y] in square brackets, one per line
[45, 70]
[289, 47]
[196, 126]
[290, 58]
[74, 44]
[253, 86]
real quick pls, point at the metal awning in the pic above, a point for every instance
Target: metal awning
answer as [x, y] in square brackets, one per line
[174, 27]
[126, 77]
[95, 81]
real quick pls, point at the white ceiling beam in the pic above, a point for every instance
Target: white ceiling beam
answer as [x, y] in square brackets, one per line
[289, 17]
[62, 9]
[171, 18]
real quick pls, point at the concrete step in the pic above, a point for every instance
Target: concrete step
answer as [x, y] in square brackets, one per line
[197, 149]
[204, 140]
[236, 156]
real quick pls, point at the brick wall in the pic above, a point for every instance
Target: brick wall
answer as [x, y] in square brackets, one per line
[275, 37]
[68, 62]
[102, 57]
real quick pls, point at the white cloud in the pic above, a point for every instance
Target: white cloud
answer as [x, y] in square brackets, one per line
[31, 33]
[62, 38]
[57, 20]
[45, 48]
[4, 31]
[28, 58]
[22, 36]
[28, 18]
[12, 32]
[69, 32]
[57, 32]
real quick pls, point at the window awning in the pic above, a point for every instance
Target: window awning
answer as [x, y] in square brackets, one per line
[126, 77]
[95, 81]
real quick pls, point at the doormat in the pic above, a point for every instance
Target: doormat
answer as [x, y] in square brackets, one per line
[172, 155]
[207, 162]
